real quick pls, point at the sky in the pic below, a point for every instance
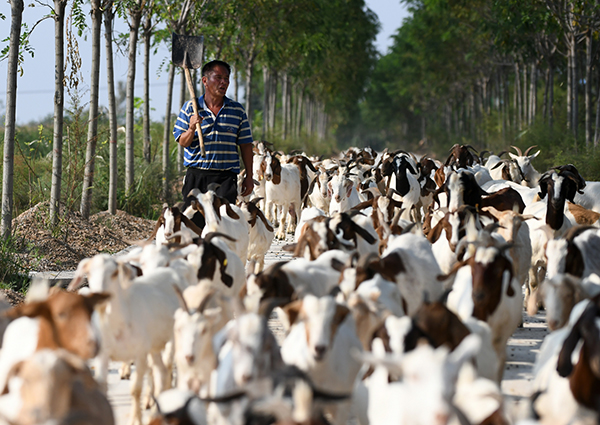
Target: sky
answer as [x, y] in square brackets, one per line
[35, 88]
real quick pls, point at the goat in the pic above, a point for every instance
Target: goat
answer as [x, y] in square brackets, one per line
[217, 263]
[342, 192]
[583, 376]
[293, 279]
[171, 221]
[554, 402]
[507, 169]
[462, 188]
[410, 262]
[437, 325]
[485, 288]
[552, 218]
[64, 320]
[223, 218]
[194, 329]
[560, 294]
[425, 395]
[261, 235]
[462, 156]
[283, 189]
[405, 182]
[342, 231]
[531, 175]
[322, 335]
[318, 192]
[137, 321]
[54, 385]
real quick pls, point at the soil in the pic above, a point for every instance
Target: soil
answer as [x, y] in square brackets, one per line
[74, 239]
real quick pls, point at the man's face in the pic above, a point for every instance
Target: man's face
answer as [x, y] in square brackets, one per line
[216, 82]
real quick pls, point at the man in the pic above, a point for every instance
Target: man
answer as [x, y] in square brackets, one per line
[225, 126]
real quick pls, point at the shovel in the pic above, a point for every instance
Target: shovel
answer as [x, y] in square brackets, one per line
[187, 53]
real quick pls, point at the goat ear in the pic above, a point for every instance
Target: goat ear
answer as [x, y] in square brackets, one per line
[228, 209]
[191, 225]
[32, 309]
[260, 214]
[217, 205]
[159, 222]
[341, 311]
[292, 311]
[82, 270]
[222, 258]
[363, 233]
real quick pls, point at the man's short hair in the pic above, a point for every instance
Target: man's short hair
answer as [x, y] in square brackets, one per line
[210, 67]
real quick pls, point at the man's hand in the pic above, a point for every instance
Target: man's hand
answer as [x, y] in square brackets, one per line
[193, 120]
[247, 185]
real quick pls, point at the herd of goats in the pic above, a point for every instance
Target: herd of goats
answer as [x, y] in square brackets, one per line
[408, 278]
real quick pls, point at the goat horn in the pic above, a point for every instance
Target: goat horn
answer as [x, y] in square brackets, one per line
[517, 149]
[211, 235]
[182, 302]
[205, 301]
[529, 149]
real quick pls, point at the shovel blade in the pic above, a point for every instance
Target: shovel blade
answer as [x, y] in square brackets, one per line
[187, 51]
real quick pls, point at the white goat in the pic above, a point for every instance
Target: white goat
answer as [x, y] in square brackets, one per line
[224, 218]
[137, 321]
[320, 343]
[261, 235]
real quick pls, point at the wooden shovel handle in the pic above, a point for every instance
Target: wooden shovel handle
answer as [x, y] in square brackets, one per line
[188, 79]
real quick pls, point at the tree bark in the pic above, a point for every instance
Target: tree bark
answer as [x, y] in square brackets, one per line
[266, 99]
[597, 132]
[146, 112]
[167, 135]
[517, 97]
[134, 25]
[533, 93]
[574, 91]
[90, 153]
[272, 101]
[59, 75]
[16, 11]
[588, 89]
[284, 105]
[112, 109]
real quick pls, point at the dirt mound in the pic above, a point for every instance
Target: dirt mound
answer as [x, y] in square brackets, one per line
[74, 239]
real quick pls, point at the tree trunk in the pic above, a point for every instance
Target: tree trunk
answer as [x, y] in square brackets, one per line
[551, 96]
[112, 110]
[524, 99]
[299, 100]
[59, 75]
[146, 112]
[574, 91]
[182, 100]
[533, 93]
[134, 25]
[90, 153]
[517, 97]
[284, 105]
[266, 98]
[569, 91]
[248, 101]
[16, 11]
[167, 135]
[588, 89]
[597, 133]
[272, 102]
[236, 86]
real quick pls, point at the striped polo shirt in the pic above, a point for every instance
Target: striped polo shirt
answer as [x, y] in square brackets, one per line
[222, 134]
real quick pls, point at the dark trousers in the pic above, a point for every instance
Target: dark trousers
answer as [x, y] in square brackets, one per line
[201, 179]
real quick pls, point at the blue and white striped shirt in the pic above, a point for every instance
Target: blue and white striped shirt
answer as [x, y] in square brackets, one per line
[221, 134]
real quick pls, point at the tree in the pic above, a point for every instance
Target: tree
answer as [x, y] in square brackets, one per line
[16, 9]
[90, 153]
[59, 75]
[135, 9]
[112, 108]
